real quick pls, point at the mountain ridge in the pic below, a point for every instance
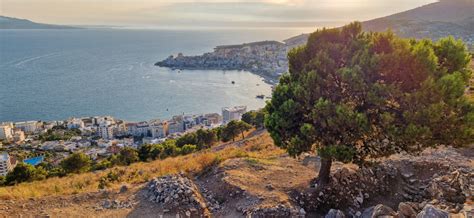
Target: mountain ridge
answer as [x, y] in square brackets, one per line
[17, 23]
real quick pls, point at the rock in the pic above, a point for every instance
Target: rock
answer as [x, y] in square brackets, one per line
[269, 187]
[406, 209]
[176, 191]
[333, 213]
[123, 189]
[429, 211]
[302, 211]
[107, 204]
[382, 210]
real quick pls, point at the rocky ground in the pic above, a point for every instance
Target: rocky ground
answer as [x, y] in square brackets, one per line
[436, 183]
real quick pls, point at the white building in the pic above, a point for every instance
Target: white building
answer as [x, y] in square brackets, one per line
[18, 135]
[29, 126]
[75, 123]
[6, 131]
[105, 131]
[6, 164]
[233, 113]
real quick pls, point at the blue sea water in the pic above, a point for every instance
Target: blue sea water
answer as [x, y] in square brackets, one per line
[56, 74]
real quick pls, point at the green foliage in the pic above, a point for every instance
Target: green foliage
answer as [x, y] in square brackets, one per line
[127, 156]
[111, 177]
[189, 138]
[202, 138]
[76, 163]
[353, 95]
[59, 134]
[102, 165]
[233, 129]
[3, 180]
[25, 173]
[254, 118]
[188, 149]
[205, 138]
[169, 149]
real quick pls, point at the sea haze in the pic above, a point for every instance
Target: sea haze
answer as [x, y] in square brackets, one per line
[56, 74]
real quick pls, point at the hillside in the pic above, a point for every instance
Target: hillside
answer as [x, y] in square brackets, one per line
[435, 20]
[15, 23]
[249, 178]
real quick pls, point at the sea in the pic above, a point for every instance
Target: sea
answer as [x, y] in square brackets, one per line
[56, 74]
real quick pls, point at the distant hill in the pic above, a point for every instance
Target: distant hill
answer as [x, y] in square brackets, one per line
[15, 23]
[435, 20]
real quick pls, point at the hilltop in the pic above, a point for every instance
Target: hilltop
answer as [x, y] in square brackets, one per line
[15, 23]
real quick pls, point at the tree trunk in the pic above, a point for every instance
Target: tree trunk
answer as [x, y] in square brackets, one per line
[243, 137]
[324, 171]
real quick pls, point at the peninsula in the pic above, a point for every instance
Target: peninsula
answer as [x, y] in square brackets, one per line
[265, 58]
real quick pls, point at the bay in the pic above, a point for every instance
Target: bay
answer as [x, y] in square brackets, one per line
[56, 74]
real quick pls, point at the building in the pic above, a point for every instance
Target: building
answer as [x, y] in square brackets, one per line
[6, 131]
[75, 123]
[29, 126]
[18, 135]
[233, 113]
[213, 119]
[6, 164]
[175, 127]
[159, 130]
[142, 129]
[105, 131]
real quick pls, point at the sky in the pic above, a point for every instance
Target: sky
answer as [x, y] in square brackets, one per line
[204, 13]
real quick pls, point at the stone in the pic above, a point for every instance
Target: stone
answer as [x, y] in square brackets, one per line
[382, 210]
[107, 204]
[406, 209]
[269, 187]
[302, 211]
[333, 213]
[429, 211]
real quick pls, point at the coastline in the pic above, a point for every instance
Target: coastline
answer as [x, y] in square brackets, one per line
[267, 59]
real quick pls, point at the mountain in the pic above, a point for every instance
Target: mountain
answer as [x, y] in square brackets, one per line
[15, 23]
[435, 20]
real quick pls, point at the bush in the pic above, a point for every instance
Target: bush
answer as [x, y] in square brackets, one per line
[76, 163]
[188, 149]
[127, 156]
[24, 173]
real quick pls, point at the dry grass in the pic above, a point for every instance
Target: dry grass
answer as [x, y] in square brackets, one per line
[256, 147]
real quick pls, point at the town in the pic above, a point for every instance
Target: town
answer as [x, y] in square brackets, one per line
[33, 142]
[265, 58]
